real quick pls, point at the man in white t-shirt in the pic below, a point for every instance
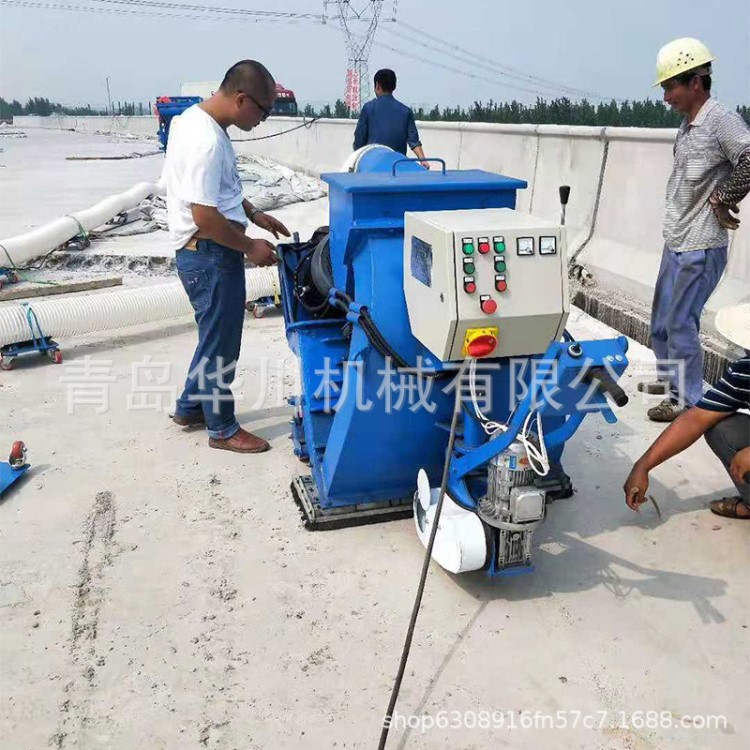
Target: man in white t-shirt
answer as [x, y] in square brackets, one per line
[207, 217]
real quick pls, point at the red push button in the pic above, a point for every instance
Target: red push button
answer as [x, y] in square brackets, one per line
[470, 287]
[484, 247]
[501, 285]
[489, 306]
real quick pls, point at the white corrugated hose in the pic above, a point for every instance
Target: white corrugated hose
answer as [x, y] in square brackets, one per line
[23, 248]
[128, 307]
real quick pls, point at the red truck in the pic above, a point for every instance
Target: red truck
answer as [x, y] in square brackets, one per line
[286, 102]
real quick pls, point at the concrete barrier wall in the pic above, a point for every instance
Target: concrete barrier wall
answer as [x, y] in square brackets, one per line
[617, 175]
[137, 125]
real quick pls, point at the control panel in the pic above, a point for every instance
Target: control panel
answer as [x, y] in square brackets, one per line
[485, 282]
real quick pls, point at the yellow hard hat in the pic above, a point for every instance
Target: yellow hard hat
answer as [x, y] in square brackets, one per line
[680, 56]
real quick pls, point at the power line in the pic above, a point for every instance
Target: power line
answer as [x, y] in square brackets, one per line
[210, 14]
[215, 9]
[504, 69]
[460, 71]
[477, 61]
[469, 74]
[358, 53]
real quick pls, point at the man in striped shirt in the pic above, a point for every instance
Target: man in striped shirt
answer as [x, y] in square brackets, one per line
[718, 416]
[710, 176]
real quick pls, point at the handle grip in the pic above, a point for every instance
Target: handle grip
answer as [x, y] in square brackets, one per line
[606, 384]
[564, 194]
[401, 161]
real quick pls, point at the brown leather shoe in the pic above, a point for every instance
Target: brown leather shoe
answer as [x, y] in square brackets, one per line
[241, 442]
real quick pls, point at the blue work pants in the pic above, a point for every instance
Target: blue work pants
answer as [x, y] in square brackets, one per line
[685, 282]
[214, 278]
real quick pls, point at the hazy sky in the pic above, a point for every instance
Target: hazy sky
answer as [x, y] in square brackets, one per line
[604, 46]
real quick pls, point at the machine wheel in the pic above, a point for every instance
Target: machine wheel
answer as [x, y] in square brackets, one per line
[55, 355]
[17, 456]
[6, 363]
[259, 311]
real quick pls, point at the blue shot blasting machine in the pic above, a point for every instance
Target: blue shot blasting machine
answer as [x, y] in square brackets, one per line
[430, 292]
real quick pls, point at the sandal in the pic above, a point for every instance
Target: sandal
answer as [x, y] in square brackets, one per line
[727, 507]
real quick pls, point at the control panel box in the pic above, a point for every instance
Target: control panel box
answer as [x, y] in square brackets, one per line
[485, 282]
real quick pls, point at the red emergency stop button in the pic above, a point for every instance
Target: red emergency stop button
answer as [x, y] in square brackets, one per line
[488, 305]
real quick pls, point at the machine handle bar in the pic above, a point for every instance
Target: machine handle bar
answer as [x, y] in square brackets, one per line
[401, 161]
[606, 384]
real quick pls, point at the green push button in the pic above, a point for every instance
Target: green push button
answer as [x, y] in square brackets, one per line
[469, 268]
[499, 247]
[468, 248]
[500, 265]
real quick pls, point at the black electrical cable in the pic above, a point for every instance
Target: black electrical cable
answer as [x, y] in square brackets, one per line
[306, 124]
[425, 568]
[382, 345]
[379, 341]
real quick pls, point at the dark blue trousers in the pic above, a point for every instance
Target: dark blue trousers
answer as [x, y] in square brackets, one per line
[214, 278]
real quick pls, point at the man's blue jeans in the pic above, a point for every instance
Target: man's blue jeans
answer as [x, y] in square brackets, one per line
[683, 286]
[214, 279]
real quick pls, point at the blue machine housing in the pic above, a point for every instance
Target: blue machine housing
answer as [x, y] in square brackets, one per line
[168, 107]
[362, 455]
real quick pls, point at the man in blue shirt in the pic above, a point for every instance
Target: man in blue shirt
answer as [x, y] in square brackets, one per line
[386, 121]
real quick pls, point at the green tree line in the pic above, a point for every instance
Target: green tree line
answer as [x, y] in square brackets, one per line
[643, 114]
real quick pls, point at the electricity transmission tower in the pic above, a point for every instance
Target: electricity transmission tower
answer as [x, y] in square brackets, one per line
[358, 20]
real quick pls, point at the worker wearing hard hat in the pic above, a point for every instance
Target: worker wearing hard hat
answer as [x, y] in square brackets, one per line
[717, 417]
[710, 176]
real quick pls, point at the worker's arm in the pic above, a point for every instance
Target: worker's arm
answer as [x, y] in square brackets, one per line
[361, 132]
[215, 226]
[734, 139]
[419, 153]
[412, 139]
[264, 221]
[200, 186]
[680, 434]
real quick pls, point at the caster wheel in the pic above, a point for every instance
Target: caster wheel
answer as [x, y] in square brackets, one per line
[56, 356]
[250, 306]
[6, 363]
[258, 311]
[17, 457]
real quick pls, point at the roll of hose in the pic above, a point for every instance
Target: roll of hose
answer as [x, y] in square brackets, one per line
[90, 313]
